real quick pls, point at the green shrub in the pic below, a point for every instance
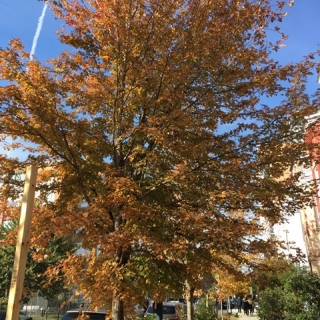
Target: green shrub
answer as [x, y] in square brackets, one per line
[205, 310]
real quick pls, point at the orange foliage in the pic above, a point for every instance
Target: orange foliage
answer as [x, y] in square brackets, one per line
[153, 133]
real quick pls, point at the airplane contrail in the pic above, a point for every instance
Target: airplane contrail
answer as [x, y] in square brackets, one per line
[36, 35]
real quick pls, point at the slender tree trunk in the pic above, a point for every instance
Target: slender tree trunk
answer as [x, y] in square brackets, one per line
[123, 256]
[189, 298]
[117, 309]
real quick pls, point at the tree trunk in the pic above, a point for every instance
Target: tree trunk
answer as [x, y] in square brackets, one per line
[189, 298]
[117, 309]
[123, 256]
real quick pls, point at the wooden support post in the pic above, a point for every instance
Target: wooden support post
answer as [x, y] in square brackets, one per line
[23, 239]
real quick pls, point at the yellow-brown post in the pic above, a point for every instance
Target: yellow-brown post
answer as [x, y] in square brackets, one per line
[23, 239]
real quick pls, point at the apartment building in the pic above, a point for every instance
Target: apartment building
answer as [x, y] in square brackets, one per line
[310, 216]
[302, 230]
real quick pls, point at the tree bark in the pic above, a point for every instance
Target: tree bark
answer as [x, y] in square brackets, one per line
[123, 256]
[189, 298]
[117, 309]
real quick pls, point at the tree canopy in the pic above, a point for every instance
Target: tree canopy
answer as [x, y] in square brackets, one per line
[164, 130]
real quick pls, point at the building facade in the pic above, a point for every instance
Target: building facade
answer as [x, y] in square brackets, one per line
[310, 216]
[302, 230]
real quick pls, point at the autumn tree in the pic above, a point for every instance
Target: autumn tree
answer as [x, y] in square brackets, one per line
[268, 275]
[162, 119]
[39, 263]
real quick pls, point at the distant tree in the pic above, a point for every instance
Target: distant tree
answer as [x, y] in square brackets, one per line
[6, 261]
[302, 293]
[268, 273]
[271, 304]
[205, 309]
[39, 262]
[296, 294]
[156, 131]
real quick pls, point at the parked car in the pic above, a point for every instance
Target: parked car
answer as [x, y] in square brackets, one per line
[140, 311]
[22, 315]
[170, 310]
[179, 300]
[90, 315]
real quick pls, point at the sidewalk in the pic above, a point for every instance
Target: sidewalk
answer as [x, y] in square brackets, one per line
[243, 316]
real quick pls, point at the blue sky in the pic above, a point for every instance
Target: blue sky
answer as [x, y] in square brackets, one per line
[19, 19]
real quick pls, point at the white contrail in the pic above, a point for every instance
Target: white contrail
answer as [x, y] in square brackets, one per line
[36, 35]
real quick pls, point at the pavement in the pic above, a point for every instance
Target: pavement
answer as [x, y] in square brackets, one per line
[243, 316]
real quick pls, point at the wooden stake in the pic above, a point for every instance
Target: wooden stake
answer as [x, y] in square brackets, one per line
[20, 259]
